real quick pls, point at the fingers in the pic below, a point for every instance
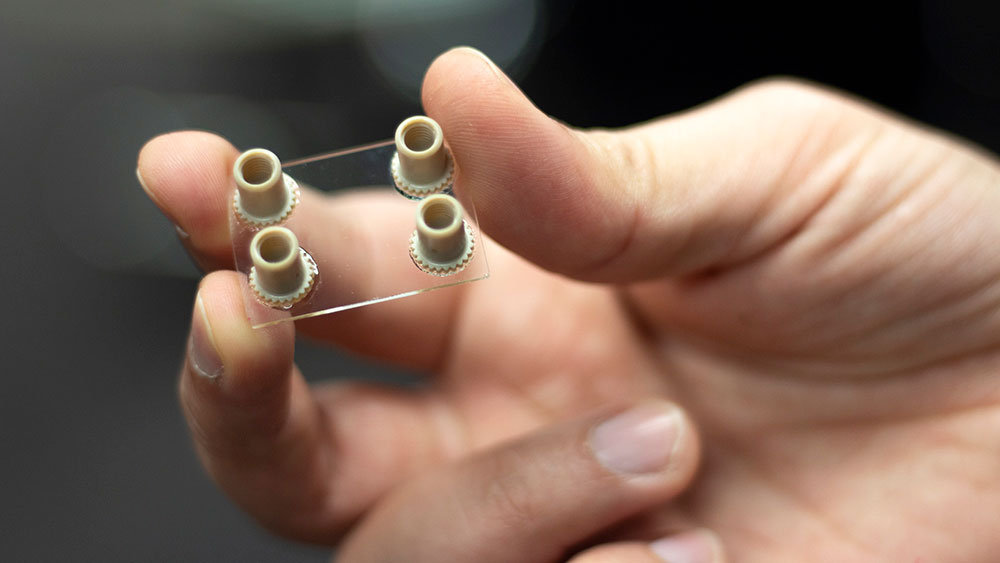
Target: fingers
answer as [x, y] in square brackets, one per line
[694, 546]
[303, 466]
[701, 189]
[533, 499]
[188, 175]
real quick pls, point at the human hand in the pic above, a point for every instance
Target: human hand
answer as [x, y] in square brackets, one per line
[813, 281]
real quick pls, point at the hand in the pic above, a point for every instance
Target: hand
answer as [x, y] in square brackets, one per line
[815, 283]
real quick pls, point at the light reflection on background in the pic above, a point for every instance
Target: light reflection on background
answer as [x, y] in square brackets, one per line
[402, 51]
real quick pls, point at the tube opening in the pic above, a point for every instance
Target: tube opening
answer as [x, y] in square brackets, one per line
[439, 215]
[275, 247]
[419, 137]
[257, 169]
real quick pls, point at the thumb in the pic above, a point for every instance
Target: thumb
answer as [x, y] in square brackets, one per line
[528, 499]
[690, 192]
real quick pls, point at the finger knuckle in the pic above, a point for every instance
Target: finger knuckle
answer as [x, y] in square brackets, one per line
[511, 496]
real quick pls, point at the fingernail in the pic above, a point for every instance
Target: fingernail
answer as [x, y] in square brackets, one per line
[696, 546]
[202, 353]
[640, 440]
[145, 188]
[151, 196]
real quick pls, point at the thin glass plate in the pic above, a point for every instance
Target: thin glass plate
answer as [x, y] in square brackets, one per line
[356, 226]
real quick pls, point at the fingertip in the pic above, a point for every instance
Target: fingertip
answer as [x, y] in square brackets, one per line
[186, 174]
[470, 63]
[227, 351]
[540, 188]
[480, 109]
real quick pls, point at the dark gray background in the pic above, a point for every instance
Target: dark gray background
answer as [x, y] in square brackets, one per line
[95, 462]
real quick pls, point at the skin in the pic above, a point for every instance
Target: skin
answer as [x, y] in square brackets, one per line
[814, 282]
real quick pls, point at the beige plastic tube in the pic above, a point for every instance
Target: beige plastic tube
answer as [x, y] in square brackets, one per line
[422, 165]
[442, 242]
[264, 196]
[281, 273]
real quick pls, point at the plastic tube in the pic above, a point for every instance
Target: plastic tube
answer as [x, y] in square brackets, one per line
[422, 164]
[282, 273]
[265, 195]
[442, 242]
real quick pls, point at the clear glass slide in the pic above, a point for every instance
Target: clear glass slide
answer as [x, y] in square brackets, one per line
[357, 228]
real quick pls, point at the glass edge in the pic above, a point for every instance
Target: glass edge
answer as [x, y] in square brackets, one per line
[341, 152]
[340, 308]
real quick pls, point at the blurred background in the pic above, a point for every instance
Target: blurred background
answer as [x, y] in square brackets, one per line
[95, 463]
